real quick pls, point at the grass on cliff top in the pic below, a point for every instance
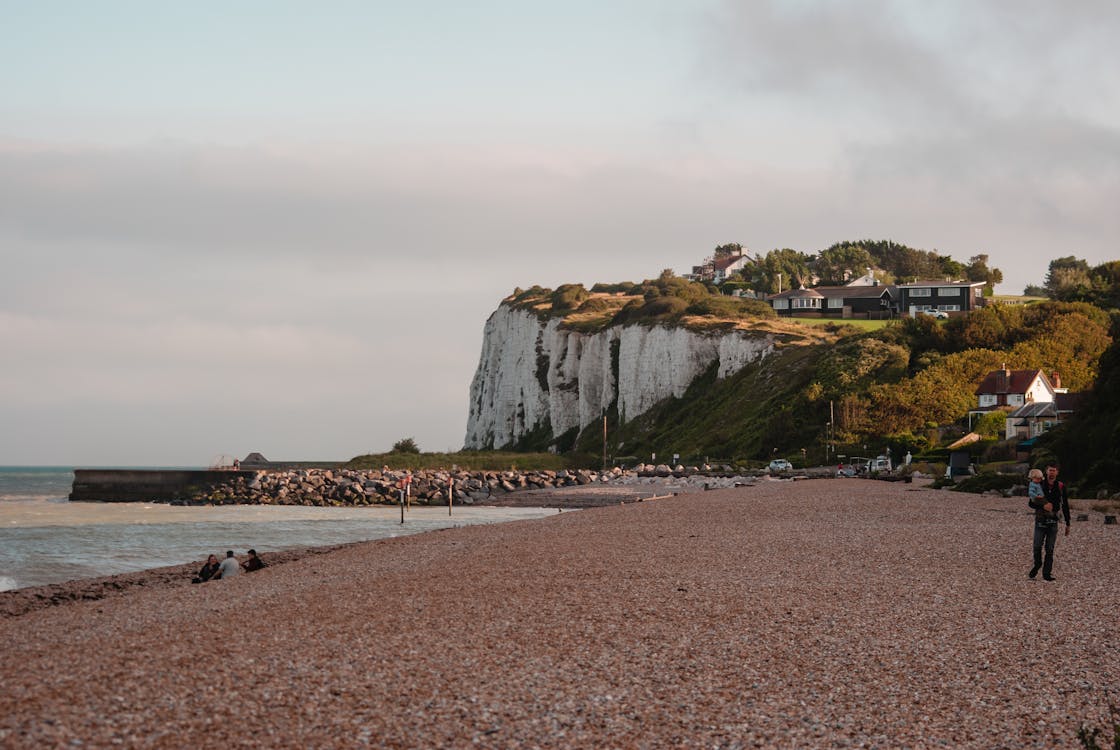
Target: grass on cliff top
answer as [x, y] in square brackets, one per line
[863, 325]
[470, 461]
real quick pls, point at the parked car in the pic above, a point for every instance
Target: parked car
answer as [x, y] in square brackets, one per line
[939, 314]
[780, 464]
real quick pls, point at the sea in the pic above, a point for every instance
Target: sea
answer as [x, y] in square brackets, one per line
[44, 538]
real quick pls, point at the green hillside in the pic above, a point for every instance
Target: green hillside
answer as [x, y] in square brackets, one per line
[905, 384]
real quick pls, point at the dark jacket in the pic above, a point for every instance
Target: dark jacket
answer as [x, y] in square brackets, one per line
[1056, 495]
[253, 563]
[207, 572]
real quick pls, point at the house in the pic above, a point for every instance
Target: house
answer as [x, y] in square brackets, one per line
[836, 301]
[797, 301]
[945, 296]
[1031, 420]
[871, 301]
[868, 279]
[1009, 389]
[719, 268]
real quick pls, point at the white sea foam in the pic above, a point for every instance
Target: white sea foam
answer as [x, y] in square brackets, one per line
[7, 584]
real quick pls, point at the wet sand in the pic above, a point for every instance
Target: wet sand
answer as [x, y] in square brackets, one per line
[790, 614]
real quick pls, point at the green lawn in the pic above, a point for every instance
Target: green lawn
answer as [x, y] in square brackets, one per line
[866, 325]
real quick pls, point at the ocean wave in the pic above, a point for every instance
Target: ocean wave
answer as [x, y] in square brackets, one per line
[7, 583]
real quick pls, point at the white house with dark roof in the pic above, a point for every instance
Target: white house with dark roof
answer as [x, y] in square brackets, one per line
[797, 301]
[1009, 389]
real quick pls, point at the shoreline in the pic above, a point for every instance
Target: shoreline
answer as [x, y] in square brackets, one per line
[808, 614]
[20, 601]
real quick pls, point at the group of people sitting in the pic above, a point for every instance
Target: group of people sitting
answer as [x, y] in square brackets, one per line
[213, 570]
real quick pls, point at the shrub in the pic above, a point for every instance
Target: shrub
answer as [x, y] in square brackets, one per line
[406, 445]
[569, 297]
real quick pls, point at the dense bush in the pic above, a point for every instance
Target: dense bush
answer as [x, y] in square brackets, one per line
[568, 297]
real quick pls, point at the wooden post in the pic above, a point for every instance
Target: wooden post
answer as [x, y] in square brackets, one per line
[402, 505]
[604, 441]
[450, 493]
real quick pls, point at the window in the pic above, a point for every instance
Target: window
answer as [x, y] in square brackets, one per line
[1015, 399]
[949, 291]
[987, 399]
[920, 292]
[949, 308]
[803, 303]
[836, 302]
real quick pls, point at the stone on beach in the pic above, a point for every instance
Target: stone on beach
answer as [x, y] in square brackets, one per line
[808, 614]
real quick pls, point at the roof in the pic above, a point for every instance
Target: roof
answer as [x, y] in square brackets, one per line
[1034, 410]
[722, 264]
[852, 292]
[1019, 381]
[968, 439]
[254, 458]
[941, 282]
[808, 293]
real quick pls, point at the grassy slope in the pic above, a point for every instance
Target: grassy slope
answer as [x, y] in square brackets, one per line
[741, 417]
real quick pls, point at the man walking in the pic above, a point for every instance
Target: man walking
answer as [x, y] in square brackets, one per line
[1054, 500]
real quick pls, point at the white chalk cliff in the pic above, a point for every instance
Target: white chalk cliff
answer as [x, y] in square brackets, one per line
[534, 373]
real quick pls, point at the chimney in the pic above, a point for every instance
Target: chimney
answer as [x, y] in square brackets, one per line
[1004, 379]
[1056, 380]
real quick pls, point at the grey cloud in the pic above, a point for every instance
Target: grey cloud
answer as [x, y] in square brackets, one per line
[917, 64]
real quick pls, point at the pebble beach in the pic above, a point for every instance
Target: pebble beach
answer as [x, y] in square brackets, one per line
[789, 614]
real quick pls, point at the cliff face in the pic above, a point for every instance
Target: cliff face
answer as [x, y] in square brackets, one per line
[533, 374]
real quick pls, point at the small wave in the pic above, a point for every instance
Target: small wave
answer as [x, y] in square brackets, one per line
[7, 584]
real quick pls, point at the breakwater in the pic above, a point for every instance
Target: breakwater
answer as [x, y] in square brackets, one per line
[319, 487]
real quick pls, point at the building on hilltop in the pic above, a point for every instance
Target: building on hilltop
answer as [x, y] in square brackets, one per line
[718, 268]
[940, 296]
[862, 301]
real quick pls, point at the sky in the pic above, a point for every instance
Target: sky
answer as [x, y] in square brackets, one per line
[280, 226]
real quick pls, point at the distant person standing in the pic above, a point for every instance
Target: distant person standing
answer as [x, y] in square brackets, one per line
[1054, 501]
[229, 567]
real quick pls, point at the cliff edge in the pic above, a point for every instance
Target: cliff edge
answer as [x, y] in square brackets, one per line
[538, 376]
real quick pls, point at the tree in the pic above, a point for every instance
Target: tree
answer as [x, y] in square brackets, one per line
[406, 445]
[992, 425]
[839, 263]
[781, 270]
[1067, 277]
[977, 270]
[730, 250]
[1034, 290]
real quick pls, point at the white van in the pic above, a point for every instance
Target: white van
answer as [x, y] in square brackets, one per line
[879, 464]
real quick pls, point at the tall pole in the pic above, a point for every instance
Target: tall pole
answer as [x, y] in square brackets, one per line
[831, 429]
[604, 441]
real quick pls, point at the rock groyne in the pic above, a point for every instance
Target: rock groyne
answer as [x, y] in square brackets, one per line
[356, 487]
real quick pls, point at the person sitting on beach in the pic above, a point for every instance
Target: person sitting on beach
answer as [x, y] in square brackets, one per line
[229, 567]
[253, 563]
[208, 571]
